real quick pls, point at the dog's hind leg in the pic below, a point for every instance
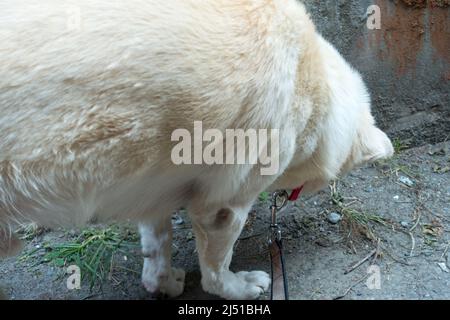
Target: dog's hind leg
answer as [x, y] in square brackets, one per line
[158, 276]
[216, 230]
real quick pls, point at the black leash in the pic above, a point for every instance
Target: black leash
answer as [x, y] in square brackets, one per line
[280, 289]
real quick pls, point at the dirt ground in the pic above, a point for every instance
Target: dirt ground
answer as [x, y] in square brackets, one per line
[399, 208]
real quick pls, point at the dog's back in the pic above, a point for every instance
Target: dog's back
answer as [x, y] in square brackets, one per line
[90, 92]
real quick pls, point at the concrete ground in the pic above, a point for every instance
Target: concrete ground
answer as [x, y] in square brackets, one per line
[399, 209]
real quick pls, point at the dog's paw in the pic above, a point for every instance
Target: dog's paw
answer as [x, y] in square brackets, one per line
[239, 286]
[258, 278]
[170, 284]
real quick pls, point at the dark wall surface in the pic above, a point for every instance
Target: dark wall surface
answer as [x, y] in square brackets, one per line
[406, 63]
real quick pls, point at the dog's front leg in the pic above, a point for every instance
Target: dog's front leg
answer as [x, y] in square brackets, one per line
[216, 232]
[158, 276]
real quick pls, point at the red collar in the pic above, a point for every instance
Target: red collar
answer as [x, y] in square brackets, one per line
[296, 193]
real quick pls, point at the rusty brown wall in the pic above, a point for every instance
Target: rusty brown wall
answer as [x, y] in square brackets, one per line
[406, 63]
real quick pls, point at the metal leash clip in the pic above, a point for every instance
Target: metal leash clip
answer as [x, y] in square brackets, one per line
[279, 202]
[279, 279]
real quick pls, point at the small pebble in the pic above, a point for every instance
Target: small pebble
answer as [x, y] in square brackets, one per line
[443, 267]
[406, 181]
[334, 218]
[404, 224]
[396, 198]
[177, 220]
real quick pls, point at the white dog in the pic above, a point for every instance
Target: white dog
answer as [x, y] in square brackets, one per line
[92, 90]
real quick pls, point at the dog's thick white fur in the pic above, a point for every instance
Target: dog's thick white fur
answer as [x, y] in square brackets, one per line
[87, 111]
